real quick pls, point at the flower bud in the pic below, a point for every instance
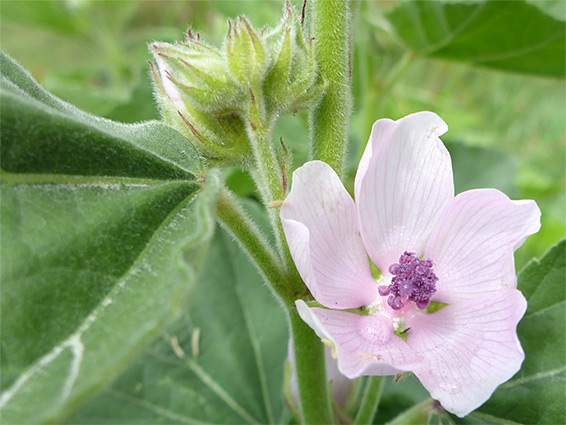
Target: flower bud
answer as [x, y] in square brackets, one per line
[293, 82]
[219, 137]
[197, 75]
[212, 94]
[247, 58]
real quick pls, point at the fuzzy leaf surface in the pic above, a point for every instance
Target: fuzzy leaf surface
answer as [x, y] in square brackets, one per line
[103, 226]
[228, 367]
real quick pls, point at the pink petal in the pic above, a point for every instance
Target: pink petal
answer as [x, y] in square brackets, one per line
[320, 223]
[470, 347]
[472, 246]
[381, 132]
[404, 182]
[365, 345]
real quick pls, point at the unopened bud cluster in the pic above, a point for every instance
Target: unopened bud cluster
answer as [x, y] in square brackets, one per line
[213, 94]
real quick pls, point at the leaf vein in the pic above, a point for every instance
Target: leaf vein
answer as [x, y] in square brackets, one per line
[550, 307]
[45, 360]
[255, 344]
[157, 409]
[219, 391]
[515, 53]
[534, 377]
[456, 32]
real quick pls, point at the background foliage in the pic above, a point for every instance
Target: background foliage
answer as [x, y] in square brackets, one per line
[94, 55]
[506, 131]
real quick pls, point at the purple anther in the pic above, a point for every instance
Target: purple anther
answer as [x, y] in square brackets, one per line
[413, 280]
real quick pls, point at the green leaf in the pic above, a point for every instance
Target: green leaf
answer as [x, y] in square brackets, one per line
[507, 35]
[102, 228]
[235, 375]
[536, 394]
[555, 8]
[42, 134]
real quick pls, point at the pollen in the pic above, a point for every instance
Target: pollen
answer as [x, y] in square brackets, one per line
[413, 281]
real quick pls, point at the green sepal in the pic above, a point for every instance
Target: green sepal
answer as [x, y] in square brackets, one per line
[281, 70]
[217, 132]
[435, 306]
[293, 82]
[306, 79]
[206, 93]
[312, 96]
[245, 54]
[201, 77]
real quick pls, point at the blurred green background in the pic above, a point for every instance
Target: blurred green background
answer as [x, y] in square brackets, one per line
[506, 130]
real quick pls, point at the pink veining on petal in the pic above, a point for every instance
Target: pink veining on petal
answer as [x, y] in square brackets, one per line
[365, 345]
[428, 246]
[321, 226]
[471, 347]
[472, 246]
[404, 182]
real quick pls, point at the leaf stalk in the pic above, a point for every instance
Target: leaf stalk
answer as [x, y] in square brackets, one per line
[370, 400]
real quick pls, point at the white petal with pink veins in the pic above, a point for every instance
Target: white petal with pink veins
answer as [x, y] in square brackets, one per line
[470, 348]
[472, 246]
[321, 226]
[364, 345]
[404, 183]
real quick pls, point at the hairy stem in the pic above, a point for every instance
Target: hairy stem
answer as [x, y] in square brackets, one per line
[250, 238]
[329, 123]
[370, 401]
[330, 119]
[267, 174]
[310, 367]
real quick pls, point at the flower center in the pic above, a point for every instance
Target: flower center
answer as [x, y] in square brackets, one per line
[413, 280]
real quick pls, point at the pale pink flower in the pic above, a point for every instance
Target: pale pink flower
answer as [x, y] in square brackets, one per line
[429, 246]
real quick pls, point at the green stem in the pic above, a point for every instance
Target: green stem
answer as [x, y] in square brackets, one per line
[416, 415]
[268, 177]
[250, 238]
[330, 119]
[370, 401]
[310, 367]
